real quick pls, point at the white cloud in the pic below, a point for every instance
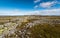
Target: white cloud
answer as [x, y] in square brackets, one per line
[44, 12]
[48, 12]
[36, 12]
[36, 1]
[36, 6]
[10, 12]
[47, 4]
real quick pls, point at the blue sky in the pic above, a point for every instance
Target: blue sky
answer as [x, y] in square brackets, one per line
[29, 7]
[18, 4]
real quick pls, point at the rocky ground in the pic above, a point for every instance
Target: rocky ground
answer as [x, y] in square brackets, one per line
[30, 27]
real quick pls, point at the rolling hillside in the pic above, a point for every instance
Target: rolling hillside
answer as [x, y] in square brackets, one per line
[30, 26]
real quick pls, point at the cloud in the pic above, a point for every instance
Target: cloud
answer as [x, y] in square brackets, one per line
[36, 12]
[44, 12]
[10, 12]
[13, 12]
[48, 12]
[47, 4]
[36, 6]
[36, 1]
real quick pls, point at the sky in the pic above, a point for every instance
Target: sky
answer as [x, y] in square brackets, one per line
[29, 7]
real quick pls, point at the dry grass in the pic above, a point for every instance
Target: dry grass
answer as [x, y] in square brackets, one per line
[40, 30]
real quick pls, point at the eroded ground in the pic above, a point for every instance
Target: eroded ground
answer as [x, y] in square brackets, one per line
[30, 27]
